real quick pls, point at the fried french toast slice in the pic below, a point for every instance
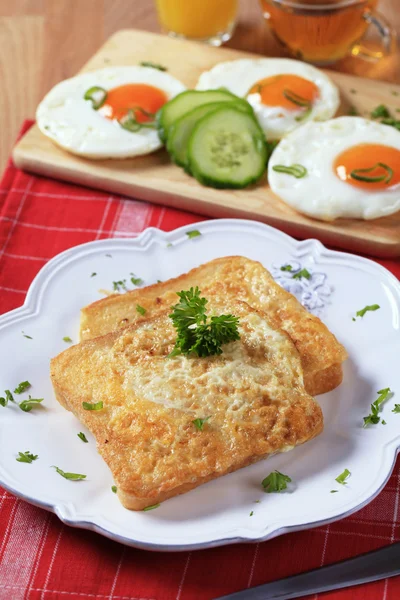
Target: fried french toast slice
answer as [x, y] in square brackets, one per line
[243, 279]
[250, 399]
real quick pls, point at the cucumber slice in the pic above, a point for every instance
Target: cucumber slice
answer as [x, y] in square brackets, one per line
[227, 149]
[181, 130]
[183, 103]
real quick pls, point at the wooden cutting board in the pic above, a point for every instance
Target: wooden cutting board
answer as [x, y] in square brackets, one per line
[155, 179]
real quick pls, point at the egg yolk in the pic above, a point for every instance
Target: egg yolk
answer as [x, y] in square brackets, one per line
[369, 166]
[287, 91]
[133, 96]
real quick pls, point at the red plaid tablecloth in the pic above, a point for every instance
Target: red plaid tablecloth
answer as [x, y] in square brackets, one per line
[40, 558]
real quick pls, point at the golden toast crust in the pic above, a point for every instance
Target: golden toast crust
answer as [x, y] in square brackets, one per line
[243, 279]
[253, 393]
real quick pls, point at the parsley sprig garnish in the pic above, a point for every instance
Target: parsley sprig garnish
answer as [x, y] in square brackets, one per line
[373, 418]
[275, 482]
[196, 332]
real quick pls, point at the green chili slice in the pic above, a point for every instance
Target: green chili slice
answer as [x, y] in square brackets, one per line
[304, 116]
[297, 171]
[97, 95]
[130, 122]
[296, 99]
[386, 178]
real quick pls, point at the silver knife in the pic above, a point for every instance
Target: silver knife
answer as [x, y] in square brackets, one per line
[364, 568]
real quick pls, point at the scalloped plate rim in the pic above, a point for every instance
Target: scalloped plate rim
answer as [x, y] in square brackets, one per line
[142, 241]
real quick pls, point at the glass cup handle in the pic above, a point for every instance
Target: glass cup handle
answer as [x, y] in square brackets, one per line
[387, 35]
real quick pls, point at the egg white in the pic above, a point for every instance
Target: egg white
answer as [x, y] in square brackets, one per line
[320, 193]
[72, 123]
[238, 76]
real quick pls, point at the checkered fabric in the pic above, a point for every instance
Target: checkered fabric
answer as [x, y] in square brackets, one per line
[40, 558]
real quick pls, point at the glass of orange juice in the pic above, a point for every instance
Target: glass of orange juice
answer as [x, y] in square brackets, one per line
[211, 21]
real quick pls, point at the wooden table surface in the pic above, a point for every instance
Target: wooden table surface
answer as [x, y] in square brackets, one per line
[44, 41]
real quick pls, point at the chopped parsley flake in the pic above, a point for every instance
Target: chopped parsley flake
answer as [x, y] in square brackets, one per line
[21, 387]
[383, 422]
[342, 477]
[302, 273]
[136, 280]
[192, 234]
[373, 418]
[114, 489]
[148, 63]
[199, 423]
[71, 476]
[151, 507]
[82, 437]
[380, 112]
[27, 405]
[8, 398]
[67, 339]
[169, 245]
[353, 112]
[396, 408]
[196, 334]
[371, 307]
[287, 268]
[92, 406]
[93, 274]
[118, 285]
[27, 336]
[334, 491]
[257, 501]
[142, 311]
[252, 513]
[275, 482]
[26, 457]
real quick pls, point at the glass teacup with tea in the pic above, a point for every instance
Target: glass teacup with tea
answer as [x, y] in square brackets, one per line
[324, 31]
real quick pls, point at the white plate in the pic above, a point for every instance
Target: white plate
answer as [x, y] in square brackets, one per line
[218, 512]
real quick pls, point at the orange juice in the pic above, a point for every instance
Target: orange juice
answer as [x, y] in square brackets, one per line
[197, 19]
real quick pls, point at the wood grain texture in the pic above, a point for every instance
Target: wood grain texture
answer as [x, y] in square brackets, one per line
[154, 178]
[65, 33]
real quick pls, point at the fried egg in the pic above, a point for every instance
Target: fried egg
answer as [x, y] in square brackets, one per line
[345, 167]
[284, 93]
[101, 126]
